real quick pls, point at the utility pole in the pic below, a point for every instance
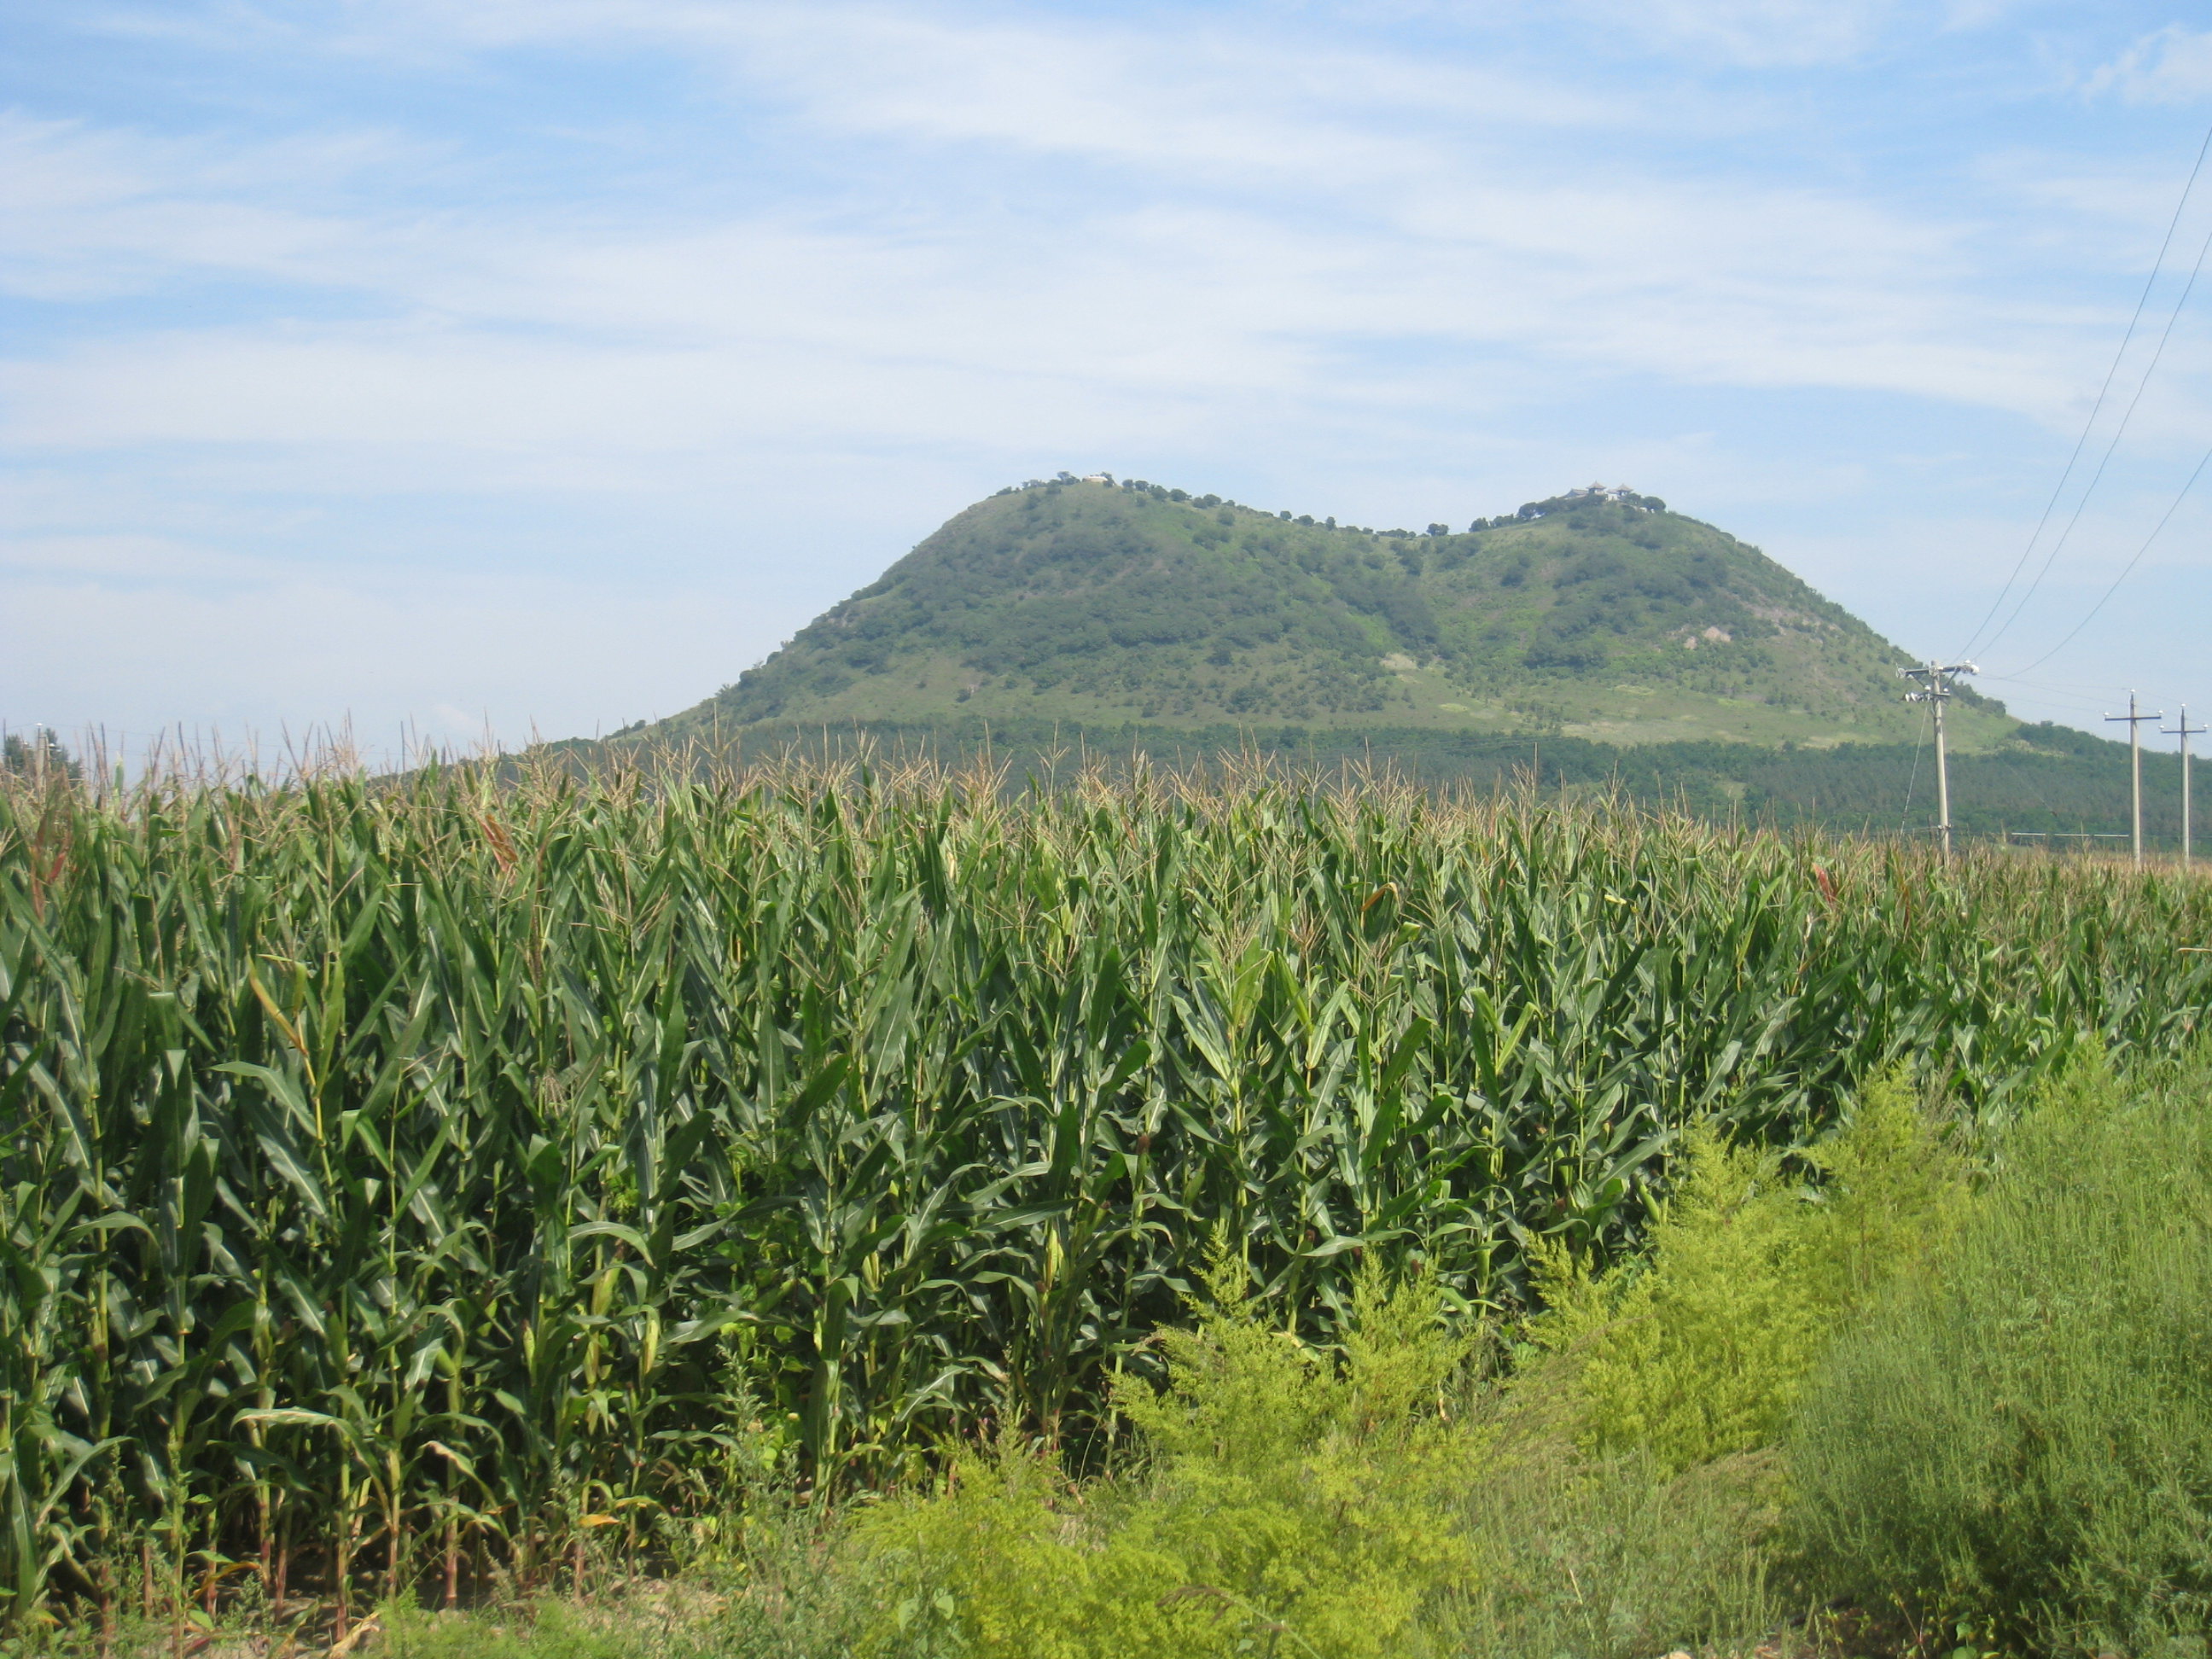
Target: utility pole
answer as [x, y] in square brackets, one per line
[2185, 731]
[1935, 687]
[2134, 762]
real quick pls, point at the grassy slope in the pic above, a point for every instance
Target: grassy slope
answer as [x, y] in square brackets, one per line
[1099, 606]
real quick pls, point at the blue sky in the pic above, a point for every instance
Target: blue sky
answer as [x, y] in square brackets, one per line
[519, 365]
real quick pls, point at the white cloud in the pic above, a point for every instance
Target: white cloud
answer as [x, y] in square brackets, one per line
[2173, 66]
[566, 347]
[1376, 201]
[934, 246]
[1751, 35]
[91, 213]
[1758, 33]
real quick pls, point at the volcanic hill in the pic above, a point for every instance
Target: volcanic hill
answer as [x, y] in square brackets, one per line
[1598, 613]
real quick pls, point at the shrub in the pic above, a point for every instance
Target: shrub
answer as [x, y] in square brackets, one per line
[1698, 1351]
[1383, 1499]
[1292, 1498]
[2023, 1435]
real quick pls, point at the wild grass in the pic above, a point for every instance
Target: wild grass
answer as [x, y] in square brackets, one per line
[2020, 1442]
[416, 1187]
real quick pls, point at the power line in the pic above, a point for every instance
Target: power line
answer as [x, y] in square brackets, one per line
[2079, 693]
[1912, 780]
[2128, 569]
[2088, 426]
[2013, 771]
[2064, 693]
[2050, 693]
[2119, 432]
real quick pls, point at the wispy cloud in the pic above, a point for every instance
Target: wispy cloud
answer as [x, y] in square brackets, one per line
[1747, 35]
[613, 331]
[92, 212]
[1758, 33]
[2172, 66]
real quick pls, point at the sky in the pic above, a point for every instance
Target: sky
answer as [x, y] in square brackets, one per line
[440, 370]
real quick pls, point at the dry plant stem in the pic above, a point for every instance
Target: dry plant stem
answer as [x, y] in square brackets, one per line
[107, 1615]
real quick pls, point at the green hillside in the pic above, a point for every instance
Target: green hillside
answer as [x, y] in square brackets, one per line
[1600, 616]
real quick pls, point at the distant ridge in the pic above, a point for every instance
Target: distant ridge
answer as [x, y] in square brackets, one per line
[1091, 603]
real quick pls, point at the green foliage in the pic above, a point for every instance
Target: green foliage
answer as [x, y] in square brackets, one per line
[419, 1178]
[1379, 1500]
[2023, 1437]
[1296, 1501]
[1699, 1348]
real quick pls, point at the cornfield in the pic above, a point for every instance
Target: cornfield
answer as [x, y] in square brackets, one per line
[407, 1183]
